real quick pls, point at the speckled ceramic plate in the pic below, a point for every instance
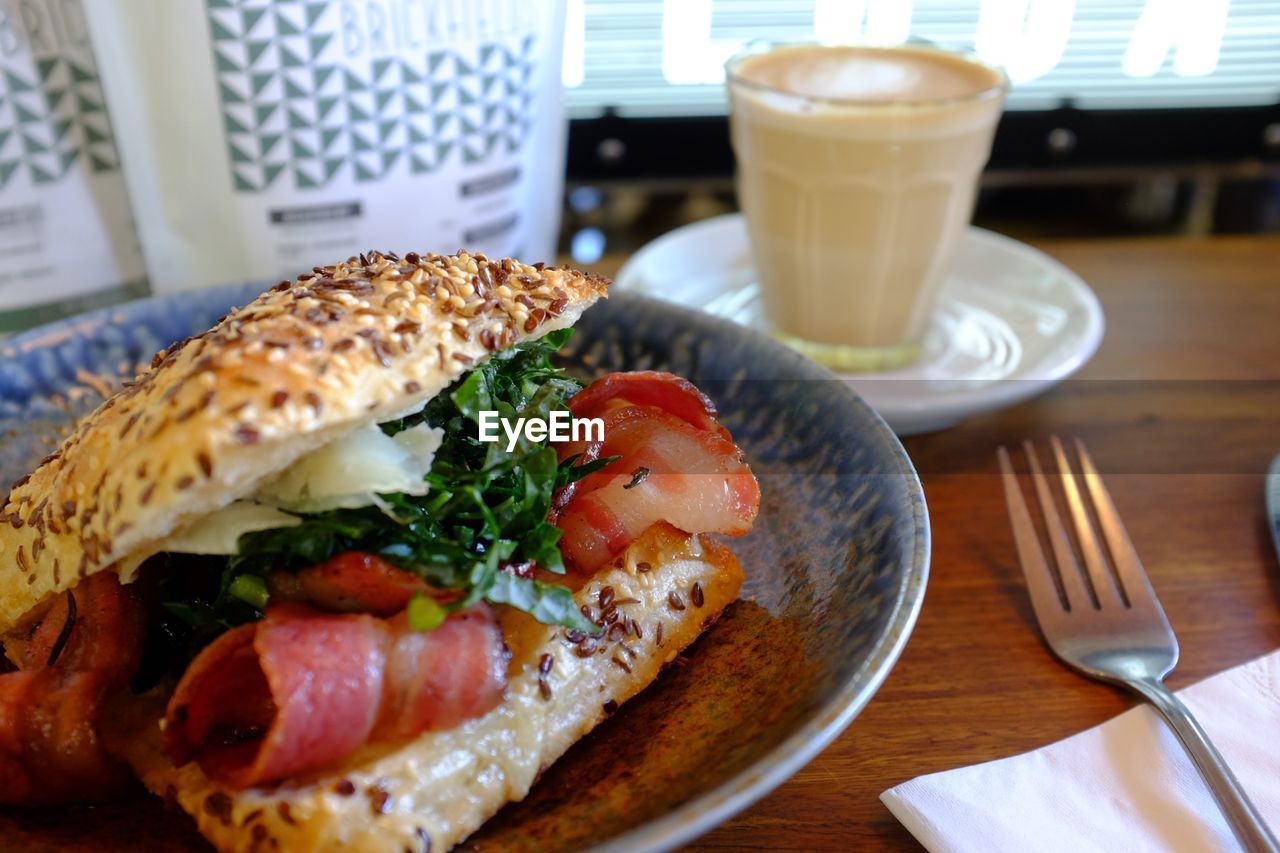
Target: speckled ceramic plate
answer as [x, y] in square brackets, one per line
[836, 569]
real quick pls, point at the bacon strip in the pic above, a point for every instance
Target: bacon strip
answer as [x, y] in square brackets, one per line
[673, 394]
[50, 750]
[589, 451]
[272, 699]
[356, 581]
[672, 467]
[300, 690]
[439, 679]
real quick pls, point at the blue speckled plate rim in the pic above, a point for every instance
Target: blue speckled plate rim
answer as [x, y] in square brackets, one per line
[703, 814]
[91, 322]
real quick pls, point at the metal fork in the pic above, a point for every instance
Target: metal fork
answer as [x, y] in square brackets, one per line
[1109, 624]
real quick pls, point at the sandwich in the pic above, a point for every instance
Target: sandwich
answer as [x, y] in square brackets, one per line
[285, 579]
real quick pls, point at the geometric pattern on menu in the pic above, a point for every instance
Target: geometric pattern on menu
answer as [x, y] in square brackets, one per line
[295, 108]
[52, 115]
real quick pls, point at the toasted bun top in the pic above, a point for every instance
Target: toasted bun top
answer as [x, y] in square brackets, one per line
[362, 341]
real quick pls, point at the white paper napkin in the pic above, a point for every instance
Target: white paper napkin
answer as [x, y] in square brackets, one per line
[1126, 785]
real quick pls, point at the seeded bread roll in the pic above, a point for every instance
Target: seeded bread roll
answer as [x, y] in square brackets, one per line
[362, 341]
[432, 792]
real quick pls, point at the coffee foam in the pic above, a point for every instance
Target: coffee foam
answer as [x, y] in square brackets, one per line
[867, 74]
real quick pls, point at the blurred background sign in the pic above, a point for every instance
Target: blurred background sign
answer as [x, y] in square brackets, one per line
[321, 129]
[1125, 116]
[666, 57]
[67, 240]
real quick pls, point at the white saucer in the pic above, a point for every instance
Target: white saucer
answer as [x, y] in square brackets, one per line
[1011, 321]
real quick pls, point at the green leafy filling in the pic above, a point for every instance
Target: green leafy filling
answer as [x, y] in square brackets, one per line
[487, 507]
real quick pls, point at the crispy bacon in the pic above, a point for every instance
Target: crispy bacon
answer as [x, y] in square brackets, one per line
[672, 394]
[354, 582]
[589, 451]
[438, 679]
[358, 582]
[301, 689]
[672, 467]
[272, 699]
[50, 749]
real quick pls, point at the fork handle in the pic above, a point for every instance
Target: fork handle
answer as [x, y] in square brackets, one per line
[1249, 828]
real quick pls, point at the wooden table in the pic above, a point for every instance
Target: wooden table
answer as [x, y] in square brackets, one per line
[1181, 409]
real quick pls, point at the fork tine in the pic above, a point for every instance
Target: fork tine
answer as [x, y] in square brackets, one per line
[1045, 599]
[1069, 571]
[1103, 585]
[1132, 576]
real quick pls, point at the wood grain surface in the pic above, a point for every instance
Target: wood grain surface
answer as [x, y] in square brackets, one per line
[1181, 409]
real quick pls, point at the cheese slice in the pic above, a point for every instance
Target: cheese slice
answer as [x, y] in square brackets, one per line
[218, 532]
[352, 470]
[349, 472]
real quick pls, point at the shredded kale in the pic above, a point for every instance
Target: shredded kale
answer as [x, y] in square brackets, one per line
[487, 507]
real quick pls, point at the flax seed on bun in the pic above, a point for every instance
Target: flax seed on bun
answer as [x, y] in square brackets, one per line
[358, 342]
[429, 793]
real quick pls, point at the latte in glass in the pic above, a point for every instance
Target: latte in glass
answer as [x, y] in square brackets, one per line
[857, 169]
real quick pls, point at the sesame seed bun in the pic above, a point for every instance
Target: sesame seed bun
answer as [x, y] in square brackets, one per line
[429, 793]
[359, 342]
